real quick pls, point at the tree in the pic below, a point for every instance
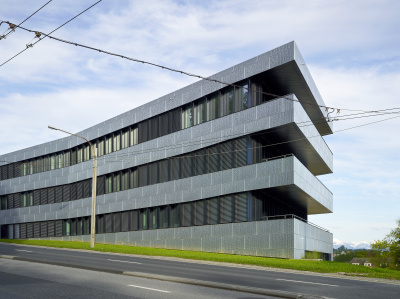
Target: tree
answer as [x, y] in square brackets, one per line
[387, 251]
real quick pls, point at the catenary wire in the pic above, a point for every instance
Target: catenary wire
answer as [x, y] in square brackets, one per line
[45, 35]
[4, 36]
[183, 72]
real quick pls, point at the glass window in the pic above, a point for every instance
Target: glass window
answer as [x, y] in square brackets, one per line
[200, 112]
[134, 136]
[134, 178]
[164, 213]
[100, 150]
[108, 144]
[242, 98]
[52, 162]
[125, 139]
[67, 224]
[187, 116]
[117, 141]
[109, 181]
[117, 182]
[213, 107]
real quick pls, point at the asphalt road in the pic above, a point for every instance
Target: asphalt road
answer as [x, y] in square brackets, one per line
[20, 279]
[266, 279]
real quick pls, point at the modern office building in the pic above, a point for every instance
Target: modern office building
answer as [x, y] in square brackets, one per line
[209, 167]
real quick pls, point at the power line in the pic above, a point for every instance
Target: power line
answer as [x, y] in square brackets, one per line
[12, 29]
[38, 33]
[185, 73]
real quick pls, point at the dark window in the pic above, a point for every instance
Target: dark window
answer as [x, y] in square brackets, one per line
[79, 190]
[44, 196]
[175, 166]
[153, 173]
[187, 166]
[117, 222]
[17, 200]
[175, 215]
[213, 158]
[58, 194]
[36, 197]
[143, 128]
[153, 218]
[100, 185]
[51, 195]
[175, 120]
[109, 223]
[125, 221]
[43, 229]
[51, 228]
[227, 156]
[100, 224]
[29, 230]
[22, 231]
[241, 152]
[36, 229]
[134, 220]
[226, 209]
[199, 212]
[58, 228]
[87, 187]
[164, 124]
[143, 175]
[73, 192]
[187, 214]
[212, 211]
[240, 207]
[143, 219]
[201, 162]
[164, 217]
[163, 171]
[66, 193]
[153, 128]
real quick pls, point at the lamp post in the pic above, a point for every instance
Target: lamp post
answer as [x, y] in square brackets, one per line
[94, 184]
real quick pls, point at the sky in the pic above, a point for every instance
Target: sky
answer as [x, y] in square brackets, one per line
[350, 47]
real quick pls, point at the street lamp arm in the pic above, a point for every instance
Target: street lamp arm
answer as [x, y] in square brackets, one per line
[91, 145]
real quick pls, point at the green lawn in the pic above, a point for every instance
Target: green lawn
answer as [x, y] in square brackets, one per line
[304, 265]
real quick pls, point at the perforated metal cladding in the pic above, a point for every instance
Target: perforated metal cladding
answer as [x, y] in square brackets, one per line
[58, 228]
[17, 200]
[117, 222]
[226, 209]
[241, 207]
[16, 231]
[29, 230]
[43, 196]
[36, 230]
[187, 214]
[108, 221]
[43, 229]
[212, 211]
[59, 194]
[10, 201]
[199, 214]
[51, 195]
[66, 193]
[22, 228]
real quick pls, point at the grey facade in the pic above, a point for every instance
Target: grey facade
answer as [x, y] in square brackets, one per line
[208, 167]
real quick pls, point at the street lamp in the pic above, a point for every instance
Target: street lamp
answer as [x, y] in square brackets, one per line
[93, 222]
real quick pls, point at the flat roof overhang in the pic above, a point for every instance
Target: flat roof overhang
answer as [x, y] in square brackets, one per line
[291, 78]
[292, 140]
[298, 197]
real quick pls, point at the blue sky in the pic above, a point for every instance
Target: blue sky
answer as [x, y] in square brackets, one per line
[350, 47]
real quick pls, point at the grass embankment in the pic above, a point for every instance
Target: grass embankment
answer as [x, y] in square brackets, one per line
[303, 265]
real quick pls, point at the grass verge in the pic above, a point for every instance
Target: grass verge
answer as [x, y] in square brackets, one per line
[303, 265]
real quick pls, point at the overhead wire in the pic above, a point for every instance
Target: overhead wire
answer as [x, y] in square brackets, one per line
[45, 35]
[4, 36]
[183, 72]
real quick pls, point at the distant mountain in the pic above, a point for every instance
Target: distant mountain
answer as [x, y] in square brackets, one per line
[351, 245]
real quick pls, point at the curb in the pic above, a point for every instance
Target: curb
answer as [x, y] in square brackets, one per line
[209, 284]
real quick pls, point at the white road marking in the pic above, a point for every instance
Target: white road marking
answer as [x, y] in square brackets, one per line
[131, 285]
[124, 261]
[323, 284]
[22, 250]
